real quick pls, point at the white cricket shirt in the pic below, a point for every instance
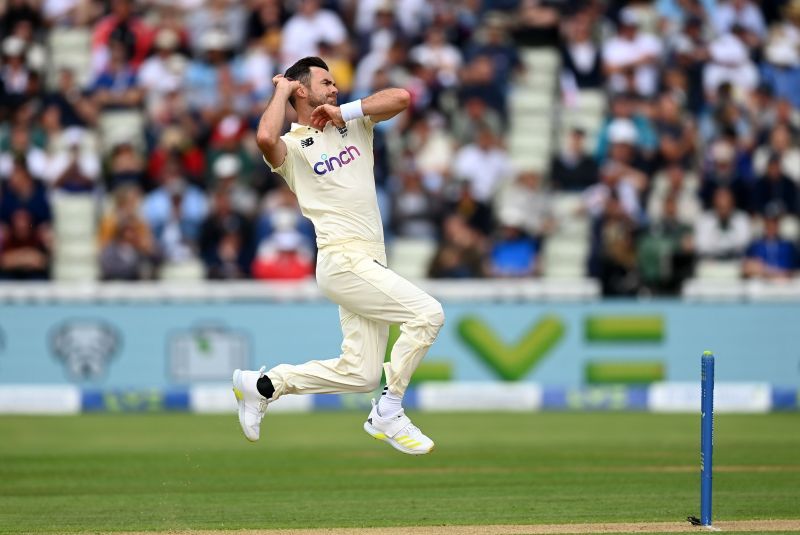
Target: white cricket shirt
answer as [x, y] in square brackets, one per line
[331, 172]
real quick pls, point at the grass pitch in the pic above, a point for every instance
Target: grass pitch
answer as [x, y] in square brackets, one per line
[179, 471]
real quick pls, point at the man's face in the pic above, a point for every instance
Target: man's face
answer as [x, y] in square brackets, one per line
[322, 88]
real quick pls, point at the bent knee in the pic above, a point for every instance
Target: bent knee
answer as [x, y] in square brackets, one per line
[367, 383]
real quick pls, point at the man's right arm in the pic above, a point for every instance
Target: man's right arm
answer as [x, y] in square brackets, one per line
[269, 132]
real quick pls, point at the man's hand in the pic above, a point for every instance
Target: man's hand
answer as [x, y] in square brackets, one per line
[325, 114]
[287, 85]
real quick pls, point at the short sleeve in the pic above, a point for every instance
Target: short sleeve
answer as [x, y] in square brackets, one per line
[364, 126]
[287, 167]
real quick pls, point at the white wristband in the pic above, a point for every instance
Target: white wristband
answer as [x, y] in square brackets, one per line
[351, 110]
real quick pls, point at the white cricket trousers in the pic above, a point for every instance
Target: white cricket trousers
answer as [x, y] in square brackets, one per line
[370, 298]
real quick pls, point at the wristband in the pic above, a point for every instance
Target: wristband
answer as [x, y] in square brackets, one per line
[351, 110]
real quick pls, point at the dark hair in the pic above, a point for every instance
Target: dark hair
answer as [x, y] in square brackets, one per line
[301, 71]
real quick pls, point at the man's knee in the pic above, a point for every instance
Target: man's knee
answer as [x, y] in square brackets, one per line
[368, 382]
[428, 323]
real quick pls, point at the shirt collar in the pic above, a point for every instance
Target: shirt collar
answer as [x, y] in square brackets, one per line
[298, 126]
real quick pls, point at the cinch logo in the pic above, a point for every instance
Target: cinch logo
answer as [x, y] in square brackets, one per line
[344, 158]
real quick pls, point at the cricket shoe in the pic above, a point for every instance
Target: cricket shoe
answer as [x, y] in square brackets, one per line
[398, 431]
[252, 405]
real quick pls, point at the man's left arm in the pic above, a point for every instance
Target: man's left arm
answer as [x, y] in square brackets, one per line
[379, 106]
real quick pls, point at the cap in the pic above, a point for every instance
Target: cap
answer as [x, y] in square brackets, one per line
[622, 131]
[287, 240]
[628, 17]
[227, 165]
[13, 46]
[167, 38]
[215, 40]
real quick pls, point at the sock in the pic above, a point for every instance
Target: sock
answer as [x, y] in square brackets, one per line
[390, 403]
[264, 386]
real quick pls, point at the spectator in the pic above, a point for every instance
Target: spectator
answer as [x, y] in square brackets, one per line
[780, 144]
[612, 255]
[730, 62]
[631, 57]
[722, 232]
[771, 256]
[666, 250]
[161, 73]
[524, 204]
[513, 254]
[126, 210]
[781, 70]
[309, 26]
[222, 15]
[126, 257]
[676, 134]
[15, 76]
[775, 190]
[22, 192]
[484, 165]
[437, 54]
[480, 79]
[122, 26]
[116, 86]
[264, 24]
[226, 238]
[414, 210]
[625, 106]
[616, 181]
[461, 253]
[573, 169]
[691, 54]
[75, 106]
[674, 183]
[210, 82]
[493, 42]
[24, 251]
[283, 257]
[723, 174]
[473, 114]
[581, 58]
[21, 148]
[73, 169]
[743, 13]
[537, 23]
[240, 195]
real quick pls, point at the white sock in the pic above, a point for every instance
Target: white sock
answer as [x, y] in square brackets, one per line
[389, 404]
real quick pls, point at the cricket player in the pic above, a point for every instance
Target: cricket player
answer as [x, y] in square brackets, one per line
[326, 159]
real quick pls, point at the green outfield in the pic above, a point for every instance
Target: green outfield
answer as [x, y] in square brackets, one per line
[166, 472]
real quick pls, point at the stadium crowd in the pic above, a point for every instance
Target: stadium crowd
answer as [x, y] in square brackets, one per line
[697, 158]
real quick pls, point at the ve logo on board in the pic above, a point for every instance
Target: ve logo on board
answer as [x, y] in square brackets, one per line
[511, 361]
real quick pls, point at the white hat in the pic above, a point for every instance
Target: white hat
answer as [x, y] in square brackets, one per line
[287, 240]
[166, 38]
[782, 53]
[227, 165]
[722, 151]
[622, 131]
[729, 49]
[13, 46]
[215, 40]
[629, 17]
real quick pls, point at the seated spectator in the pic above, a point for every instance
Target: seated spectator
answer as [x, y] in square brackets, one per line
[306, 28]
[723, 174]
[34, 157]
[161, 73]
[523, 202]
[775, 189]
[283, 257]
[770, 256]
[462, 252]
[781, 70]
[15, 76]
[722, 232]
[631, 57]
[175, 144]
[459, 200]
[484, 165]
[742, 13]
[123, 26]
[74, 169]
[126, 166]
[414, 210]
[537, 23]
[690, 49]
[676, 134]
[619, 181]
[513, 253]
[74, 104]
[116, 86]
[175, 211]
[24, 250]
[479, 78]
[129, 255]
[674, 182]
[612, 254]
[226, 238]
[492, 41]
[473, 114]
[437, 54]
[730, 62]
[573, 169]
[666, 251]
[431, 148]
[625, 107]
[22, 192]
[780, 144]
[126, 209]
[581, 58]
[228, 178]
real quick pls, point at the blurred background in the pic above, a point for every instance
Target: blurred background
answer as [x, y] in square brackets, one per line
[556, 153]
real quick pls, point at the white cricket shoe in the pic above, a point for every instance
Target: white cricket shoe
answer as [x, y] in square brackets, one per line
[398, 431]
[252, 405]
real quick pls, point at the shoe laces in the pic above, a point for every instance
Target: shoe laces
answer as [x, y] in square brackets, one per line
[411, 430]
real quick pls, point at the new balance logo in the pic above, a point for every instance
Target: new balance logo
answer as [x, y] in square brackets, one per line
[342, 130]
[307, 142]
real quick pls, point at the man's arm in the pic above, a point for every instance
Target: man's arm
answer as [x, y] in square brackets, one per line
[380, 106]
[269, 132]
